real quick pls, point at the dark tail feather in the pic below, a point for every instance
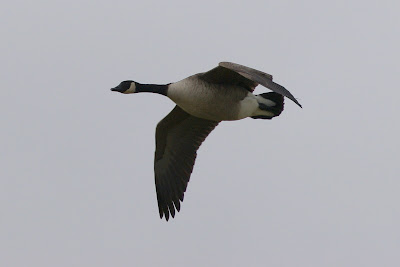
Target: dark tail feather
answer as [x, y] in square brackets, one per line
[276, 109]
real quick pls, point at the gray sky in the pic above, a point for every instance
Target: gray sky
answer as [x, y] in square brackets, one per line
[317, 186]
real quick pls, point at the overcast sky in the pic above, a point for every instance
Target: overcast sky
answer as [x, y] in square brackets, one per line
[317, 186]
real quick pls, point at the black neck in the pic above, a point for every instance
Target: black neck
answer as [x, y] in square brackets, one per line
[152, 88]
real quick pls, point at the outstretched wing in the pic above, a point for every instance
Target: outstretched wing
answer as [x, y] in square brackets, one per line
[222, 75]
[178, 136]
[260, 78]
[235, 74]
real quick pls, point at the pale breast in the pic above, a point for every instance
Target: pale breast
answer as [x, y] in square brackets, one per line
[207, 100]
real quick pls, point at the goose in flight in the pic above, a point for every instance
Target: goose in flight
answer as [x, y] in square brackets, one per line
[224, 93]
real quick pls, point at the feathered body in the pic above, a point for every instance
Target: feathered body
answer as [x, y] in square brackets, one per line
[224, 93]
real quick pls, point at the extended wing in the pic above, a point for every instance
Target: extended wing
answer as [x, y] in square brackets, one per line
[178, 136]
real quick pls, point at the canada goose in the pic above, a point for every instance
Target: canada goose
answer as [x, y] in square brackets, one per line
[202, 101]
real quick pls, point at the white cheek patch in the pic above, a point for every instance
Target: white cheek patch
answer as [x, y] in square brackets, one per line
[131, 90]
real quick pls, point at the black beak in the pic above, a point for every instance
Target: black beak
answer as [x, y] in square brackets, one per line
[115, 89]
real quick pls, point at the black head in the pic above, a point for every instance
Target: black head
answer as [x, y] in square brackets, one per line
[125, 87]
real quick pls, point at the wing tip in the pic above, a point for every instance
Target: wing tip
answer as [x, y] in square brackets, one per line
[168, 211]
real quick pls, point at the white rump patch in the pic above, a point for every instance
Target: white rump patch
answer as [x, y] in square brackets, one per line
[264, 101]
[248, 106]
